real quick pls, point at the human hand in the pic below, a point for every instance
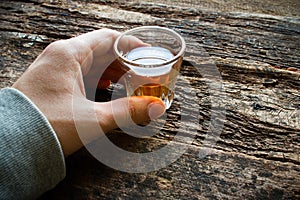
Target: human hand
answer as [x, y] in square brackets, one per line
[57, 79]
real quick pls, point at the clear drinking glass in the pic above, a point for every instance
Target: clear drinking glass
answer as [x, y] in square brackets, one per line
[151, 68]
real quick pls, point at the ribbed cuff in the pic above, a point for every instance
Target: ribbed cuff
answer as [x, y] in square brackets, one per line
[31, 158]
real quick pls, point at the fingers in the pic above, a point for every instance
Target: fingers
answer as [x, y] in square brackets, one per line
[128, 111]
[99, 44]
[94, 50]
[103, 37]
[115, 71]
[97, 57]
[104, 84]
[101, 84]
[128, 43]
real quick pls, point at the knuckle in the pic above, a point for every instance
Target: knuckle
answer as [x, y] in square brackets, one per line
[132, 111]
[57, 46]
[58, 51]
[111, 33]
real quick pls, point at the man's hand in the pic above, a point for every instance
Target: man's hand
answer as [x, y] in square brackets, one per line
[57, 79]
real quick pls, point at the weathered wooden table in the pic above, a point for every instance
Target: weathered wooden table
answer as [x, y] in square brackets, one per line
[255, 47]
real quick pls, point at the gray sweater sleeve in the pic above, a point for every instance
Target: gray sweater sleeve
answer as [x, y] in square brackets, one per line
[31, 158]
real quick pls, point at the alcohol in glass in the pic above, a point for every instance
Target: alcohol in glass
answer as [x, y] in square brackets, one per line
[149, 78]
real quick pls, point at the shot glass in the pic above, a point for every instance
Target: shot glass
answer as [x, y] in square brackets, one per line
[153, 66]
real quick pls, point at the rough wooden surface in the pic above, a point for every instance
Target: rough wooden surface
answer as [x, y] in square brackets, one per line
[255, 46]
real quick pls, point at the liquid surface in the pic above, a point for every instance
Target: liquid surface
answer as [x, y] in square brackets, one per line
[149, 58]
[149, 55]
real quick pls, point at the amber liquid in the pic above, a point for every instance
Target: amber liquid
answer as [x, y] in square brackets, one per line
[157, 81]
[154, 89]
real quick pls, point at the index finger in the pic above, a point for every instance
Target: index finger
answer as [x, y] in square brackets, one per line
[89, 47]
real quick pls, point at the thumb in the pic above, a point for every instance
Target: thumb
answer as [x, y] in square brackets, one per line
[128, 111]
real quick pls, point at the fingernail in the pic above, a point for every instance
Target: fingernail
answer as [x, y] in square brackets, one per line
[155, 110]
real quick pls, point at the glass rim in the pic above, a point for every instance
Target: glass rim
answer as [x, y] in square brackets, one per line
[176, 57]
